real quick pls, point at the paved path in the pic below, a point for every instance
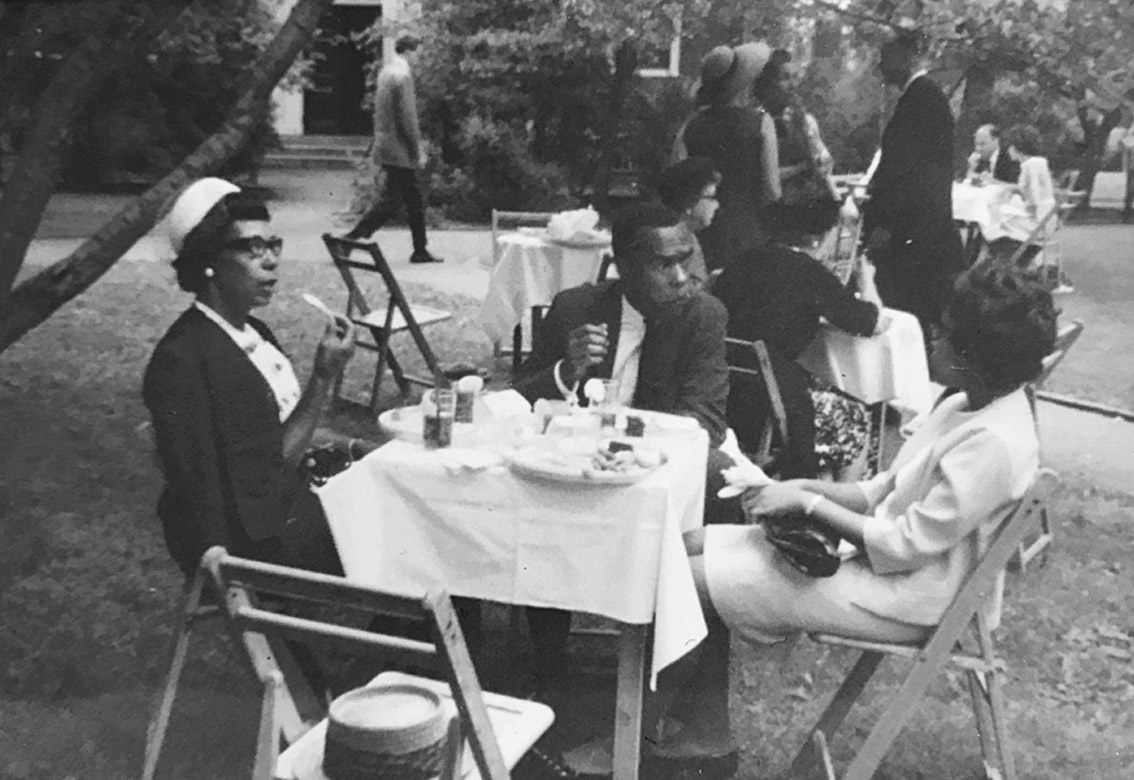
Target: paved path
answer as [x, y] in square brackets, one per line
[306, 204]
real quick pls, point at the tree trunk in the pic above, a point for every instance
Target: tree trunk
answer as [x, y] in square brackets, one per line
[625, 64]
[976, 105]
[1095, 135]
[34, 300]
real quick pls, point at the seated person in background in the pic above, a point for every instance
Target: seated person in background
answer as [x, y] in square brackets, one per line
[690, 188]
[777, 292]
[918, 525]
[1030, 201]
[230, 419]
[989, 162]
[654, 331]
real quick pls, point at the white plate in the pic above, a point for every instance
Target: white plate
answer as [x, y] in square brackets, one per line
[404, 422]
[573, 468]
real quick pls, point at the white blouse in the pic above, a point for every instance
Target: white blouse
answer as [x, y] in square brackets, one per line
[272, 364]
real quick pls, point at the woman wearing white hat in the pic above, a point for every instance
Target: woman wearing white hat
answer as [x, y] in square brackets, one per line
[230, 419]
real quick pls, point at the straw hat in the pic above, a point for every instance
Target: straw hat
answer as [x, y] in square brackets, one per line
[727, 72]
[395, 731]
[191, 207]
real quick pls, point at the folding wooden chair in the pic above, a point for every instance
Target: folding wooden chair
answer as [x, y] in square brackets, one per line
[985, 670]
[498, 729]
[1066, 337]
[197, 607]
[750, 359]
[398, 316]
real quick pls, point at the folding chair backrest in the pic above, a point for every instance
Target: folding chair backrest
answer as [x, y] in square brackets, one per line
[1038, 236]
[982, 586]
[243, 582]
[350, 256]
[343, 253]
[751, 359]
[510, 220]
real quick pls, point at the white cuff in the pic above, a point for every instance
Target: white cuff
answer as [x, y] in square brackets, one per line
[569, 393]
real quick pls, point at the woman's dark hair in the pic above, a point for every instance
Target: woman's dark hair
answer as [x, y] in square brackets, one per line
[205, 241]
[1002, 321]
[768, 88]
[680, 186]
[790, 222]
[1025, 138]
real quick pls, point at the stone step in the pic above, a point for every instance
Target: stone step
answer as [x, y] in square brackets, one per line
[318, 151]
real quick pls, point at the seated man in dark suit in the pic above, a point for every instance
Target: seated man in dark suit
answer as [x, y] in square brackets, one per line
[654, 331]
[989, 162]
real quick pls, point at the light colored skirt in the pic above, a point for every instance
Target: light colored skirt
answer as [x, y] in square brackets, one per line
[760, 596]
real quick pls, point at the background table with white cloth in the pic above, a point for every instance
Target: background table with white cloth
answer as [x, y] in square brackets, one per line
[408, 518]
[530, 271]
[889, 367]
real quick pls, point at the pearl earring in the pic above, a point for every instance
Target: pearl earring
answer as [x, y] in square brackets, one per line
[210, 273]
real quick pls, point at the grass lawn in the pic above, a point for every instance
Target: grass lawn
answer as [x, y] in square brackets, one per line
[86, 590]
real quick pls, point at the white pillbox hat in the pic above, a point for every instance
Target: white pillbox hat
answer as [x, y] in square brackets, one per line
[192, 205]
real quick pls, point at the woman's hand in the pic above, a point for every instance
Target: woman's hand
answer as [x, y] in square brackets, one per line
[335, 348]
[774, 500]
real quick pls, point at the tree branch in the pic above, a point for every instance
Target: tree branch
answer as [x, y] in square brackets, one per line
[35, 174]
[35, 299]
[860, 16]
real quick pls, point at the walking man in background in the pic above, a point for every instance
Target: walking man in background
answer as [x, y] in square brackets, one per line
[909, 217]
[398, 150]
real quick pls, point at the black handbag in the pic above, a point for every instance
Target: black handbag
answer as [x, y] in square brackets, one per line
[321, 463]
[809, 547]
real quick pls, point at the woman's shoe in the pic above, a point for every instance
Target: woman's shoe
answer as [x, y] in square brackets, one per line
[657, 766]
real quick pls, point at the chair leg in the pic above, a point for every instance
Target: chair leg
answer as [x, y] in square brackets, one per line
[268, 743]
[986, 730]
[179, 648]
[517, 346]
[835, 713]
[893, 720]
[987, 687]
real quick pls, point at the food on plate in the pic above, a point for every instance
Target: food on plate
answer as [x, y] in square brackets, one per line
[624, 457]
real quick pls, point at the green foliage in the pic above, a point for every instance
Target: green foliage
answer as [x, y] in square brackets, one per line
[150, 115]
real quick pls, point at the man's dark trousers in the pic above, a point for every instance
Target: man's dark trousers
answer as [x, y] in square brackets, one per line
[401, 187]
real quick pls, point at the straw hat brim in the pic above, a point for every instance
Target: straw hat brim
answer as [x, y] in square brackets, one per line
[750, 61]
[306, 755]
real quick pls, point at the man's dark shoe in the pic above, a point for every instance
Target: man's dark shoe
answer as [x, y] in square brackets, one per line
[357, 235]
[424, 257]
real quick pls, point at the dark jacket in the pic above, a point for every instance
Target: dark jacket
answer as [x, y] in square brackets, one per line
[1006, 168]
[777, 295]
[732, 138]
[682, 368]
[911, 195]
[220, 442]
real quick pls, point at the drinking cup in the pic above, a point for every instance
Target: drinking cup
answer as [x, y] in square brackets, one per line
[438, 408]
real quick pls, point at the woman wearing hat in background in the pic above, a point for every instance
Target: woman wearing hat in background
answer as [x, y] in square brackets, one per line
[740, 139]
[230, 419]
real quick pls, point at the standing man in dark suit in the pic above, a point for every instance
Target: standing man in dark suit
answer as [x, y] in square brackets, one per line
[398, 149]
[989, 162]
[909, 218]
[659, 335]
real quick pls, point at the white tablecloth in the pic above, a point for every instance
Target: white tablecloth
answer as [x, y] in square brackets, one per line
[403, 519]
[888, 367]
[980, 205]
[530, 272]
